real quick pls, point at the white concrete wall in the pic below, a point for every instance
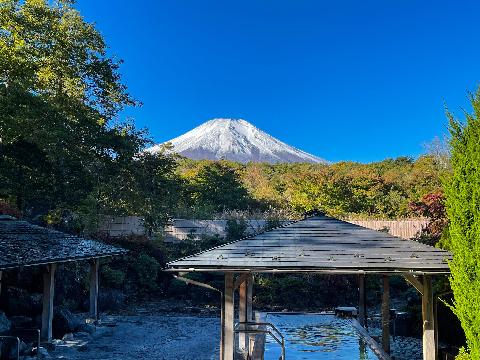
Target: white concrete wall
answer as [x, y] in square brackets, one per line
[181, 229]
[122, 226]
[178, 230]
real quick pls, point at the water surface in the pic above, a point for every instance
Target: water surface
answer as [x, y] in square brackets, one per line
[317, 336]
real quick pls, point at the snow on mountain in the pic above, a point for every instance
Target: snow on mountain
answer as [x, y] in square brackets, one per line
[236, 140]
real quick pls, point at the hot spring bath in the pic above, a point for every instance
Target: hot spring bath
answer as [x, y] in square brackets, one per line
[317, 336]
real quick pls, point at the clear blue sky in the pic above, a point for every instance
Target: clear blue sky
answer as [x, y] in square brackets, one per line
[344, 80]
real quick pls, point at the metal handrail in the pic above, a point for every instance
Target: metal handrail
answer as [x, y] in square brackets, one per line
[262, 323]
[280, 340]
[18, 343]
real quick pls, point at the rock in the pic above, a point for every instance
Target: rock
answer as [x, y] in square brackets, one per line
[88, 328]
[57, 342]
[42, 353]
[64, 322]
[111, 300]
[82, 335]
[82, 348]
[68, 337]
[5, 324]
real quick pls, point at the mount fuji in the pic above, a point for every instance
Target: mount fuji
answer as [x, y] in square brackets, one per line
[235, 140]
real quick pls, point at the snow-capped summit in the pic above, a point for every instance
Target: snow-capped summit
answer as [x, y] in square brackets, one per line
[236, 140]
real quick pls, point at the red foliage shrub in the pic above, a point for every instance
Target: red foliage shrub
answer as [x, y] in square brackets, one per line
[7, 209]
[431, 206]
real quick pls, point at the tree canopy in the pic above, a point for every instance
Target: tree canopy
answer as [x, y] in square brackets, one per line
[61, 141]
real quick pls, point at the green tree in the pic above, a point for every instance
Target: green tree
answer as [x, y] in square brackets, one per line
[147, 187]
[218, 186]
[59, 95]
[462, 191]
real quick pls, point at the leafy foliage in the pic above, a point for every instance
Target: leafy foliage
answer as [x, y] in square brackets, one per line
[462, 191]
[212, 187]
[62, 150]
[377, 190]
[431, 206]
[235, 229]
[303, 292]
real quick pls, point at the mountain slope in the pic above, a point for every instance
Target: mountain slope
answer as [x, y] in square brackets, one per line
[235, 140]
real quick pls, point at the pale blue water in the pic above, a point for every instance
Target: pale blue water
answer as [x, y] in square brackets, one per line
[312, 336]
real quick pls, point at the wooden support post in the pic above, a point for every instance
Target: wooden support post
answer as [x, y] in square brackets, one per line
[48, 295]
[429, 348]
[239, 281]
[228, 318]
[222, 323]
[362, 301]
[435, 322]
[94, 266]
[250, 298]
[386, 315]
[242, 314]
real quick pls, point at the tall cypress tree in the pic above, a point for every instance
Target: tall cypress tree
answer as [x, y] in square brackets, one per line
[462, 190]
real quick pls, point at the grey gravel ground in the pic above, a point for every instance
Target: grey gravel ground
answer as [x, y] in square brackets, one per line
[156, 337]
[402, 347]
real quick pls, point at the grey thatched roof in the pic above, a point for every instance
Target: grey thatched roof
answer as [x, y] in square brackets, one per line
[24, 244]
[319, 244]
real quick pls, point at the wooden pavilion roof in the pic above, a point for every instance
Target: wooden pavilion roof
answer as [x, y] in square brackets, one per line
[319, 244]
[25, 244]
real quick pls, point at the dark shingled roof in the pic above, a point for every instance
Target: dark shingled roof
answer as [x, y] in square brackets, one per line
[319, 244]
[24, 244]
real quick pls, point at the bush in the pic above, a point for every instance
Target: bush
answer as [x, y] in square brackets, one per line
[304, 292]
[112, 277]
[8, 209]
[463, 355]
[146, 268]
[462, 191]
[235, 229]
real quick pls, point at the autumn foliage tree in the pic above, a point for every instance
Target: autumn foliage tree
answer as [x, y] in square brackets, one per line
[432, 207]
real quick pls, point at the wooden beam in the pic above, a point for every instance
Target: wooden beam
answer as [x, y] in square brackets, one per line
[94, 266]
[415, 282]
[242, 315]
[429, 347]
[386, 314]
[228, 318]
[48, 296]
[250, 314]
[250, 298]
[362, 301]
[222, 323]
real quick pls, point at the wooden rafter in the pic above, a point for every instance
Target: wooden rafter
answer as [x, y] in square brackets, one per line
[415, 282]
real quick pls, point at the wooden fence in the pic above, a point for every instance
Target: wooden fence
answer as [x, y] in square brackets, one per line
[405, 229]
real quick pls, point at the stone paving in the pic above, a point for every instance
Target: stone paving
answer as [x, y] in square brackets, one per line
[155, 337]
